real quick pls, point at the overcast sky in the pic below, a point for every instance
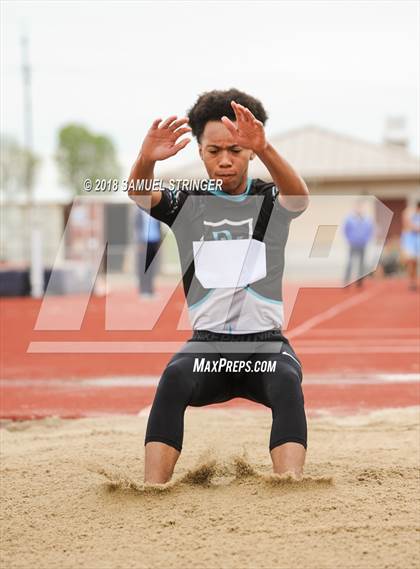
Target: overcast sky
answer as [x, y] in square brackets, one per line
[115, 66]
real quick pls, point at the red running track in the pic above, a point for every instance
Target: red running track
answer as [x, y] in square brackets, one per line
[371, 334]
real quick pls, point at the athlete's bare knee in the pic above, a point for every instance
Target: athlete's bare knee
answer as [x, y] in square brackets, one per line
[159, 462]
[288, 457]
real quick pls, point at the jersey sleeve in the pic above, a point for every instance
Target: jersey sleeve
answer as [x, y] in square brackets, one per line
[169, 206]
[284, 212]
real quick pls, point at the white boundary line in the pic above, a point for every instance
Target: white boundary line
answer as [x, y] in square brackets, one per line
[400, 349]
[141, 382]
[330, 313]
[304, 347]
[103, 347]
[337, 332]
[336, 342]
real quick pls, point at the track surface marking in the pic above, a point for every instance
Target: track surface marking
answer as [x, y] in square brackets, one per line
[349, 341]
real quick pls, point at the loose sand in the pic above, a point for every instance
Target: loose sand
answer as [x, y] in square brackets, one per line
[72, 495]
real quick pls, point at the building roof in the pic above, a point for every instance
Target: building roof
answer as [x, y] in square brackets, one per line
[319, 154]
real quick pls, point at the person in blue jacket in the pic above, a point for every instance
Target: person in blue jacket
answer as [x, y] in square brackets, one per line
[358, 231]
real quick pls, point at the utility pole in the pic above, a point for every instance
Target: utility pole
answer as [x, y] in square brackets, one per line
[35, 235]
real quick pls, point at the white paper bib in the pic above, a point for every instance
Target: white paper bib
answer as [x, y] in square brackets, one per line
[229, 263]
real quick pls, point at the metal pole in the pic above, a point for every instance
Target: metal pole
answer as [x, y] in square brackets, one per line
[36, 265]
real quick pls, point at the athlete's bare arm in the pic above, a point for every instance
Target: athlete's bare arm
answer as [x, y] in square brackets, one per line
[160, 143]
[249, 133]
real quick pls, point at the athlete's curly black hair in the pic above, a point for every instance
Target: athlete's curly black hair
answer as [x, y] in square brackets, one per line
[213, 105]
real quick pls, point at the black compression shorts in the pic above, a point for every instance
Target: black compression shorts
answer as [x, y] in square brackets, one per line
[262, 367]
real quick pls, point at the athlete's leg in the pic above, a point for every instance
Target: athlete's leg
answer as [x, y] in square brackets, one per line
[165, 426]
[181, 385]
[159, 462]
[281, 390]
[288, 457]
[288, 439]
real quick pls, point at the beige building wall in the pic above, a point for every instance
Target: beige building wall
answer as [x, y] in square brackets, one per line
[16, 234]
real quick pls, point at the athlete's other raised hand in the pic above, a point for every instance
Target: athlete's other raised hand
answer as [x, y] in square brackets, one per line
[248, 132]
[161, 140]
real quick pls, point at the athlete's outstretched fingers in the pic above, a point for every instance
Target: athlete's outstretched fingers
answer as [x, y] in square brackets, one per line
[168, 121]
[229, 125]
[181, 145]
[239, 111]
[182, 131]
[236, 110]
[249, 115]
[155, 124]
[246, 113]
[178, 123]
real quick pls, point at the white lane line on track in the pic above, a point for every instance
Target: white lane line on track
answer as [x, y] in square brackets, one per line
[356, 349]
[398, 377]
[112, 347]
[362, 379]
[94, 382]
[373, 332]
[336, 342]
[152, 381]
[330, 313]
[99, 347]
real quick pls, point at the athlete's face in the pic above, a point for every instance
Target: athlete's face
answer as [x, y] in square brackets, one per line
[223, 158]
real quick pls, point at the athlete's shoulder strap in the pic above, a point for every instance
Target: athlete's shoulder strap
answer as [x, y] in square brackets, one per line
[269, 193]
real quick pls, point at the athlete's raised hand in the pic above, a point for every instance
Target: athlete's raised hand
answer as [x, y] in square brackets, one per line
[248, 131]
[161, 140]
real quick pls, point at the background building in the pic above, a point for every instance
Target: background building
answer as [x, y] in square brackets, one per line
[332, 164]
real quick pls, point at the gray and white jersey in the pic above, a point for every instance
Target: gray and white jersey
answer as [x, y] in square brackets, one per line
[231, 252]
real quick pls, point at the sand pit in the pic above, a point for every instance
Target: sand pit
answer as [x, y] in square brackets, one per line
[73, 495]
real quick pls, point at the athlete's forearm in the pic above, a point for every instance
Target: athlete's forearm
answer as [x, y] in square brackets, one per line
[287, 180]
[143, 169]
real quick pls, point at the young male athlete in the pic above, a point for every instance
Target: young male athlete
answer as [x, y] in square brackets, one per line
[231, 240]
